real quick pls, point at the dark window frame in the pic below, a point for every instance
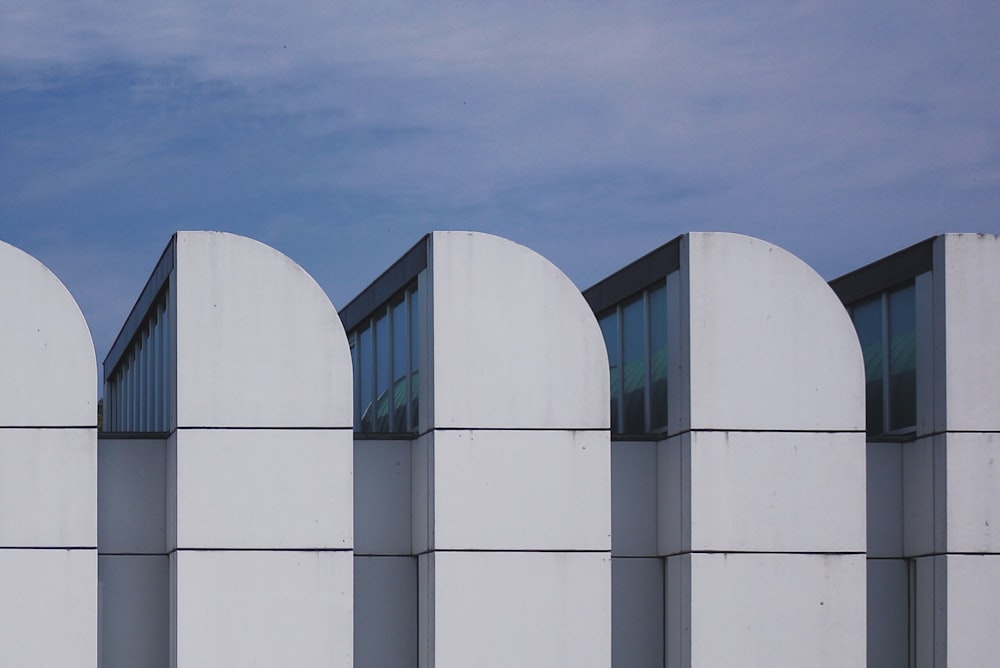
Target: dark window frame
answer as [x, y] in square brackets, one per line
[410, 405]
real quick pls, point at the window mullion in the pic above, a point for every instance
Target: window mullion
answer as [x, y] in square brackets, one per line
[405, 362]
[390, 397]
[886, 359]
[647, 391]
[620, 407]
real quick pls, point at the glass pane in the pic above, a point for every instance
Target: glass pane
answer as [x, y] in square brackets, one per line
[400, 368]
[902, 359]
[382, 364]
[868, 323]
[609, 328]
[354, 370]
[658, 357]
[414, 359]
[367, 376]
[634, 367]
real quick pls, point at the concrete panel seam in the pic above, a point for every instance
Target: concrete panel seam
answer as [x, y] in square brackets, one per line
[510, 551]
[775, 552]
[703, 430]
[256, 549]
[51, 548]
[49, 427]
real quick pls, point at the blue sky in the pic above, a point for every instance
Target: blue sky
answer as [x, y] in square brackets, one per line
[589, 131]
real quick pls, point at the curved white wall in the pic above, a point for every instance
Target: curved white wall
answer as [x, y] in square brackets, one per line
[258, 342]
[48, 470]
[515, 344]
[771, 346]
[511, 486]
[49, 369]
[259, 469]
[762, 479]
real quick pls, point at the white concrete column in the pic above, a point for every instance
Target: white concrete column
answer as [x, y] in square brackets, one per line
[951, 473]
[259, 462]
[511, 477]
[762, 476]
[48, 471]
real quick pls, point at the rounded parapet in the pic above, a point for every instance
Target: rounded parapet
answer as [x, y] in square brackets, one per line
[514, 343]
[49, 372]
[258, 342]
[967, 313]
[770, 345]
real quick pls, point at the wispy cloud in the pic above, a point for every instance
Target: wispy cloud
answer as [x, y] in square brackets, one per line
[592, 131]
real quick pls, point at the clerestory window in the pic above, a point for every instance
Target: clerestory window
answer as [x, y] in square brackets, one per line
[887, 329]
[384, 352]
[635, 333]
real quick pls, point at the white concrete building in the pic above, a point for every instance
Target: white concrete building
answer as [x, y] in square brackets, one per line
[928, 318]
[739, 494]
[48, 471]
[488, 362]
[475, 464]
[226, 467]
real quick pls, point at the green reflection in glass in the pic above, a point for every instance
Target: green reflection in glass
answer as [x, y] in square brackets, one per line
[658, 358]
[902, 359]
[366, 372]
[634, 368]
[414, 357]
[868, 322]
[400, 367]
[382, 373]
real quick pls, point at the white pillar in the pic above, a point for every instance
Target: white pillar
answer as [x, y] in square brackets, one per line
[259, 462]
[762, 476]
[951, 482]
[511, 479]
[48, 471]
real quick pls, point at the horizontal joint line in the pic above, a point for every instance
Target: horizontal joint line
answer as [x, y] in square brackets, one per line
[261, 549]
[49, 547]
[511, 551]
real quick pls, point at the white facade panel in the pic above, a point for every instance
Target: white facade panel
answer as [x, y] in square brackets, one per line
[756, 361]
[973, 610]
[46, 344]
[633, 498]
[48, 487]
[385, 611]
[885, 499]
[135, 610]
[515, 345]
[971, 311]
[765, 610]
[48, 615]
[264, 488]
[509, 490]
[131, 495]
[520, 609]
[252, 326]
[268, 608]
[777, 492]
[637, 608]
[382, 497]
[973, 483]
